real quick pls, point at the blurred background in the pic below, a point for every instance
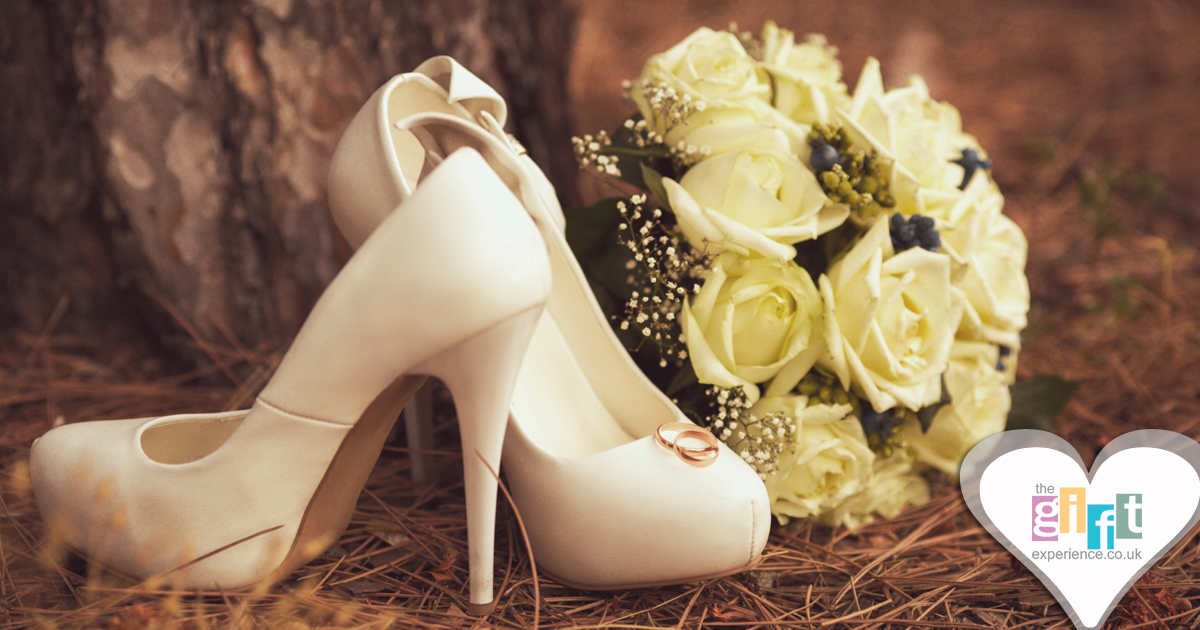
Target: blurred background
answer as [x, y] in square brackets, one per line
[162, 201]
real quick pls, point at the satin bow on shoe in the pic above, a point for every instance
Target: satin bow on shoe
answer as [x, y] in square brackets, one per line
[445, 107]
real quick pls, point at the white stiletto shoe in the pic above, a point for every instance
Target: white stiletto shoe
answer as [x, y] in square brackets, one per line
[451, 285]
[606, 507]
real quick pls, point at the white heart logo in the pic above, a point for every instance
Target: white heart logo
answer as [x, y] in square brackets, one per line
[1088, 535]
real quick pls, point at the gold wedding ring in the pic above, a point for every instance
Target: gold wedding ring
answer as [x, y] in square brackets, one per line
[698, 457]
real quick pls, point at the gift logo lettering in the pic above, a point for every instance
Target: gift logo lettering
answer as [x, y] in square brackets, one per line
[1066, 516]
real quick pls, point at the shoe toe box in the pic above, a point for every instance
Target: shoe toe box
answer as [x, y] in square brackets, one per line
[637, 516]
[187, 505]
[74, 483]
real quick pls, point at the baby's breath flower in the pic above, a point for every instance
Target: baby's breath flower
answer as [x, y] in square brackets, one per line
[660, 266]
[668, 105]
[589, 153]
[752, 44]
[760, 441]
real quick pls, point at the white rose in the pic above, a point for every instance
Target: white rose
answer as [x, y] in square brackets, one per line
[890, 321]
[964, 219]
[893, 486]
[920, 137]
[996, 287]
[988, 250]
[752, 320]
[807, 76]
[751, 195]
[828, 461]
[923, 139]
[978, 408]
[707, 66]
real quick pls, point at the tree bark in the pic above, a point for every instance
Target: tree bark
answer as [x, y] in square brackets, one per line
[165, 160]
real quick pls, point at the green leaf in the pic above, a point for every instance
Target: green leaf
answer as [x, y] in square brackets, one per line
[654, 184]
[592, 234]
[608, 268]
[630, 167]
[1036, 402]
[927, 414]
[590, 229]
[604, 297]
[685, 377]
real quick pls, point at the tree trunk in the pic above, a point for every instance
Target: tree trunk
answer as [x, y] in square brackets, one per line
[164, 161]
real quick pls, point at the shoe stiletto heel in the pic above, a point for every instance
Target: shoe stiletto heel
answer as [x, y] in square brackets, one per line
[418, 430]
[480, 374]
[447, 286]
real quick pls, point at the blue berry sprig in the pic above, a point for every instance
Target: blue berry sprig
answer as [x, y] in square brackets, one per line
[916, 231]
[970, 163]
[1005, 352]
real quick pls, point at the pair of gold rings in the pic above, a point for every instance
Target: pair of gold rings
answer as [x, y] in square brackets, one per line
[696, 456]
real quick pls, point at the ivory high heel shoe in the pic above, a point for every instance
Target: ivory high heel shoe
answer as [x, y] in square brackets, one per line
[605, 505]
[451, 285]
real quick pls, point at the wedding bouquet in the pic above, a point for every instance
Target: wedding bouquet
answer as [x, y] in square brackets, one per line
[825, 280]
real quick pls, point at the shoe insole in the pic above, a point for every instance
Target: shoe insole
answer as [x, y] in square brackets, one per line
[554, 402]
[579, 393]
